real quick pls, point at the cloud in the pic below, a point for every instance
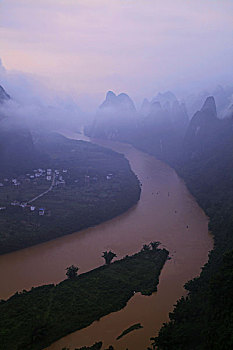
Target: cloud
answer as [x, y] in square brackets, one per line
[36, 106]
[84, 46]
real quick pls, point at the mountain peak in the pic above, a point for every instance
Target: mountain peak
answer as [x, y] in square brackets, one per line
[145, 102]
[123, 96]
[116, 102]
[210, 105]
[166, 98]
[110, 95]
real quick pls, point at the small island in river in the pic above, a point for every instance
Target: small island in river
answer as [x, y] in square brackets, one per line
[32, 320]
[64, 187]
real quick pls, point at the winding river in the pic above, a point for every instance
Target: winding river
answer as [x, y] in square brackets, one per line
[166, 212]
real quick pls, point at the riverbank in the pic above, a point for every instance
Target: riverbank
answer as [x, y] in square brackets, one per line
[156, 217]
[209, 304]
[89, 184]
[35, 319]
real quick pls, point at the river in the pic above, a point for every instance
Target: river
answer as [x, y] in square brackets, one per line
[166, 212]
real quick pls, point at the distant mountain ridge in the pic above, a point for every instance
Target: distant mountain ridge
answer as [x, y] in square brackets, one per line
[117, 117]
[114, 116]
[165, 98]
[3, 95]
[223, 98]
[164, 109]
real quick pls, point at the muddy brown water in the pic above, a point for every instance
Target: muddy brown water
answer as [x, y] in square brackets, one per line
[163, 213]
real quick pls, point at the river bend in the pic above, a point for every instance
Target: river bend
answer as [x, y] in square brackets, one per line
[166, 212]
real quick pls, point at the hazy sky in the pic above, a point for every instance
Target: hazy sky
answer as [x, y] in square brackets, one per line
[86, 47]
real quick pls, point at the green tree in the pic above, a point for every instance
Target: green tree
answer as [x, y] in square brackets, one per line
[72, 272]
[108, 256]
[154, 245]
[145, 247]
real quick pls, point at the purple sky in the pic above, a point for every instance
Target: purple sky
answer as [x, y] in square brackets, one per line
[86, 47]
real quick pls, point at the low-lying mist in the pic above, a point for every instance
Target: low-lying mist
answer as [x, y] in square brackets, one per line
[31, 104]
[35, 106]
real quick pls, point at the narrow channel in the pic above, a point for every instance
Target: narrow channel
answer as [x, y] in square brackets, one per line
[166, 212]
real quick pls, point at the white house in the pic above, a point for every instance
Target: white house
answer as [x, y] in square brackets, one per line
[41, 211]
[15, 203]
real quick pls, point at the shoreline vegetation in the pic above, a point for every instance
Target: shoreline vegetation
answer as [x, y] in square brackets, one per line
[203, 320]
[32, 320]
[75, 185]
[96, 346]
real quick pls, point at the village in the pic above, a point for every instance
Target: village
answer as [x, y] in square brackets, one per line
[44, 179]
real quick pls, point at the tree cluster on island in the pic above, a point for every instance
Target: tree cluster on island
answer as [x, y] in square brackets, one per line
[49, 312]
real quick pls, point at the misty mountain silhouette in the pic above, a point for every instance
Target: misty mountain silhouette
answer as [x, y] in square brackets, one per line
[17, 151]
[166, 99]
[145, 107]
[118, 102]
[205, 132]
[162, 126]
[222, 96]
[165, 113]
[3, 95]
[114, 118]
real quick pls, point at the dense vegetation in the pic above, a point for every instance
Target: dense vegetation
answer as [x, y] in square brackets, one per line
[88, 197]
[204, 320]
[33, 320]
[96, 346]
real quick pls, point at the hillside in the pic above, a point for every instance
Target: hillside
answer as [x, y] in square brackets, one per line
[204, 320]
[71, 186]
